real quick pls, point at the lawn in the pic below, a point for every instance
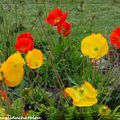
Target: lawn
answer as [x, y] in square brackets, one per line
[41, 92]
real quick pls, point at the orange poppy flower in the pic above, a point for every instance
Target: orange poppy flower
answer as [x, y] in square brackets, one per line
[34, 58]
[56, 17]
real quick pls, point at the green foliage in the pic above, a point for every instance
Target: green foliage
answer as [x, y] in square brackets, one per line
[17, 108]
[72, 113]
[55, 113]
[32, 113]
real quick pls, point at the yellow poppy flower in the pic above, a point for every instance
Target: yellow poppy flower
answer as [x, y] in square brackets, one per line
[95, 46]
[13, 70]
[83, 96]
[34, 59]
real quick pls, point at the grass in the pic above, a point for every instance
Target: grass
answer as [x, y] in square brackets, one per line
[64, 63]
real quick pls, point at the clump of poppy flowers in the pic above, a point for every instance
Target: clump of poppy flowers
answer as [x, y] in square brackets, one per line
[34, 59]
[57, 18]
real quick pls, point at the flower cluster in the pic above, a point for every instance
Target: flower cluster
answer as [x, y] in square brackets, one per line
[13, 67]
[57, 18]
[94, 46]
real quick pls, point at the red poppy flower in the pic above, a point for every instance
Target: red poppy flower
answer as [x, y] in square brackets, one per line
[24, 42]
[56, 17]
[3, 95]
[65, 28]
[115, 37]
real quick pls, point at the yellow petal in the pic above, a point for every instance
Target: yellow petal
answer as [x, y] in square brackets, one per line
[16, 58]
[72, 93]
[15, 79]
[85, 102]
[104, 50]
[92, 53]
[34, 59]
[91, 92]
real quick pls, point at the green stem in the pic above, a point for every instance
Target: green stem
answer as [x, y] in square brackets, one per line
[7, 101]
[35, 79]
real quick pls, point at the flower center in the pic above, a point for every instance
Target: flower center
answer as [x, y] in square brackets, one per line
[81, 91]
[24, 47]
[36, 63]
[63, 30]
[57, 20]
[96, 49]
[16, 64]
